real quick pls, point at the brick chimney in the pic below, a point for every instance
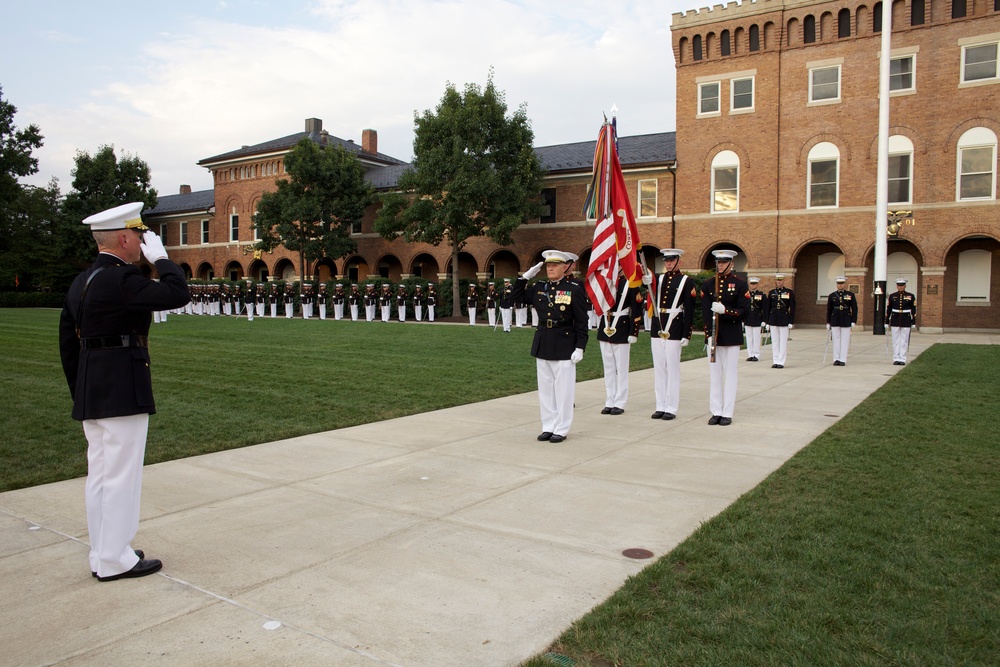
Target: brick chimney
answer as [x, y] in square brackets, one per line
[185, 189]
[314, 125]
[369, 141]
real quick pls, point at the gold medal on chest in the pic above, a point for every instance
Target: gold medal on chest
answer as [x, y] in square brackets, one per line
[610, 331]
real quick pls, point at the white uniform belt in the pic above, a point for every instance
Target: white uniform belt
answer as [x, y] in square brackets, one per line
[618, 313]
[671, 310]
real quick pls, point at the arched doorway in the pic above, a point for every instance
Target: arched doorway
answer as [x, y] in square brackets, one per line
[356, 269]
[205, 271]
[234, 271]
[817, 266]
[285, 270]
[425, 266]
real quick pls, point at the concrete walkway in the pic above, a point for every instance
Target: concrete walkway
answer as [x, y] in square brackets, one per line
[446, 538]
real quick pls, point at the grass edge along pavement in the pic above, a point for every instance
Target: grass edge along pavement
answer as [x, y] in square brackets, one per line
[223, 382]
[877, 544]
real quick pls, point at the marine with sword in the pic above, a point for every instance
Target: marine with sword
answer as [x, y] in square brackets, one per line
[725, 299]
[670, 328]
[618, 330]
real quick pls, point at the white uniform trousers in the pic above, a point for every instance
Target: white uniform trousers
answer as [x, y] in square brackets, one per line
[666, 374]
[506, 315]
[370, 313]
[556, 390]
[322, 311]
[418, 312]
[779, 345]
[430, 313]
[472, 316]
[354, 312]
[260, 309]
[338, 311]
[288, 309]
[522, 317]
[386, 313]
[115, 450]
[841, 342]
[900, 342]
[753, 341]
[491, 315]
[615, 357]
[722, 381]
[402, 313]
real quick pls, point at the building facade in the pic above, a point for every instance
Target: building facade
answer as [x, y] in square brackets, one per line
[774, 156]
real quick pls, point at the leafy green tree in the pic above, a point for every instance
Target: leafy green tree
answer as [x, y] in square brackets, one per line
[314, 210]
[475, 173]
[28, 260]
[100, 182]
[16, 146]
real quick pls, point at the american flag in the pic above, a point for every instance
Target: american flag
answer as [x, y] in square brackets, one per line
[616, 238]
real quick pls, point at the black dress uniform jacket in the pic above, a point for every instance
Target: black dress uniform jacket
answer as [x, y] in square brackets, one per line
[780, 308]
[629, 322]
[110, 376]
[901, 309]
[758, 304]
[666, 285]
[735, 298]
[841, 309]
[562, 317]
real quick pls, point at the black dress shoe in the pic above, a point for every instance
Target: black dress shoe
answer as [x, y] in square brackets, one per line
[714, 420]
[617, 411]
[838, 363]
[545, 436]
[754, 359]
[138, 552]
[667, 416]
[774, 366]
[725, 421]
[656, 415]
[556, 438]
[141, 569]
[777, 366]
[606, 411]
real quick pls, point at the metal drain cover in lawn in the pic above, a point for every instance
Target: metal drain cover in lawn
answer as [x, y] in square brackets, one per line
[637, 554]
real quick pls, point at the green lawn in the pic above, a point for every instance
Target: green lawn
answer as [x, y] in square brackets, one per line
[878, 544]
[224, 382]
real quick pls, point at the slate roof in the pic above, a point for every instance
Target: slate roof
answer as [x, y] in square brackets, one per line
[285, 143]
[199, 201]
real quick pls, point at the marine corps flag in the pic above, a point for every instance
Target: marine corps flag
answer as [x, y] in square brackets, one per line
[616, 238]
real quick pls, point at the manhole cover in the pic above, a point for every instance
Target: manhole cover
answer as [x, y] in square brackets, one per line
[638, 554]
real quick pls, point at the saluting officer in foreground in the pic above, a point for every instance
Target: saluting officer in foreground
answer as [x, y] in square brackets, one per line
[618, 331]
[560, 339]
[901, 316]
[673, 296]
[841, 316]
[755, 319]
[105, 357]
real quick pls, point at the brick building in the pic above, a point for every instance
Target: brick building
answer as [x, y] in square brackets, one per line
[775, 157]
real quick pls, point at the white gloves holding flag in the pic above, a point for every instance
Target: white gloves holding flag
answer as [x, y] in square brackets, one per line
[152, 247]
[577, 356]
[717, 307]
[791, 326]
[685, 341]
[647, 278]
[635, 339]
[533, 271]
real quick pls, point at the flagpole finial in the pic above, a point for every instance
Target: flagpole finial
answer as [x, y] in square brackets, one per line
[614, 110]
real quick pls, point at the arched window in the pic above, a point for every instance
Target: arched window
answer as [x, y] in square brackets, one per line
[696, 47]
[877, 17]
[829, 266]
[724, 46]
[823, 176]
[754, 38]
[977, 159]
[844, 23]
[809, 29]
[900, 170]
[958, 10]
[725, 182]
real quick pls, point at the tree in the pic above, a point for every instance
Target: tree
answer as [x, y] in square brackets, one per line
[15, 153]
[100, 182]
[315, 209]
[474, 173]
[28, 259]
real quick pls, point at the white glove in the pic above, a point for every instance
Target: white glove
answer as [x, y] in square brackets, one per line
[763, 328]
[791, 326]
[717, 307]
[685, 341]
[647, 279]
[827, 327]
[577, 356]
[632, 339]
[533, 271]
[152, 247]
[914, 327]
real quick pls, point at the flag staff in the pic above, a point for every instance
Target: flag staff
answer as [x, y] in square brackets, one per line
[882, 191]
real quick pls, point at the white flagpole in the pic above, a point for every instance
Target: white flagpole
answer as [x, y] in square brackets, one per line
[882, 191]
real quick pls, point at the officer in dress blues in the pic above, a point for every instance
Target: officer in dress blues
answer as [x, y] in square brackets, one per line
[321, 299]
[618, 331]
[432, 298]
[507, 304]
[371, 302]
[673, 296]
[354, 301]
[103, 346]
[755, 319]
[727, 307]
[385, 302]
[272, 299]
[901, 315]
[472, 302]
[841, 316]
[419, 299]
[779, 314]
[248, 299]
[560, 339]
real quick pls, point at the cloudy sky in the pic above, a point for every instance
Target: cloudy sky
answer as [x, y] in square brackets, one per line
[175, 81]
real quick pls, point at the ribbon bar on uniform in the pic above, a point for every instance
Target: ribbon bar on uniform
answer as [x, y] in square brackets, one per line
[111, 342]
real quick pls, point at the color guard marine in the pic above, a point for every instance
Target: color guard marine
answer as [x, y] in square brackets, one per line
[419, 299]
[431, 301]
[289, 300]
[339, 299]
[272, 299]
[371, 302]
[618, 331]
[779, 314]
[755, 319]
[385, 302]
[725, 299]
[507, 304]
[260, 299]
[401, 297]
[321, 300]
[673, 298]
[354, 301]
[492, 303]
[901, 317]
[841, 316]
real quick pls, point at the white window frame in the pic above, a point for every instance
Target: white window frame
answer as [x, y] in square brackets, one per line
[974, 276]
[640, 199]
[976, 138]
[829, 266]
[182, 239]
[823, 152]
[813, 70]
[912, 57]
[725, 160]
[234, 238]
[702, 87]
[733, 109]
[977, 43]
[900, 146]
[204, 230]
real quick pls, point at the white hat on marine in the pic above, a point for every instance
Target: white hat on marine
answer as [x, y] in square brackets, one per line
[558, 257]
[753, 280]
[901, 281]
[125, 216]
[724, 254]
[779, 276]
[671, 252]
[841, 279]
